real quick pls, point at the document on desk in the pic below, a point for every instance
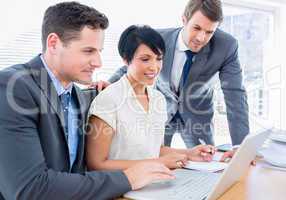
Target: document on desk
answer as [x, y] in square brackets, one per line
[212, 166]
[270, 166]
[274, 153]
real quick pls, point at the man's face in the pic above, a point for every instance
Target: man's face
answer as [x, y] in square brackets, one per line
[77, 60]
[198, 31]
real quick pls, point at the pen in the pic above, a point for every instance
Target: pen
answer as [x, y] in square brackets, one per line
[204, 143]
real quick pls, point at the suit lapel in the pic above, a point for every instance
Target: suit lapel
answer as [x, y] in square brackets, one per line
[170, 41]
[82, 110]
[164, 80]
[42, 79]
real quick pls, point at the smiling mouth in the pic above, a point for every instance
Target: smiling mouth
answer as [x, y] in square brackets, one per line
[151, 75]
[90, 72]
[197, 44]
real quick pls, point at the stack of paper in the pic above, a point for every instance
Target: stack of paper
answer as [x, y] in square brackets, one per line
[212, 166]
[275, 150]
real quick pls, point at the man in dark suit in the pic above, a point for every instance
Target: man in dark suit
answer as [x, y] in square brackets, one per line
[194, 54]
[43, 114]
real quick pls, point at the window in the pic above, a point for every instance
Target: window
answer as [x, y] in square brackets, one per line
[254, 30]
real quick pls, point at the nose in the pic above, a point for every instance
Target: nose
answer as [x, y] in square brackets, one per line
[96, 61]
[156, 65]
[201, 36]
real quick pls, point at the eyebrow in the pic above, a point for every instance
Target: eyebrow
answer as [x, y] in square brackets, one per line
[92, 48]
[150, 55]
[208, 31]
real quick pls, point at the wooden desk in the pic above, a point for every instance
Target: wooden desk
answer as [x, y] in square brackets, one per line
[258, 184]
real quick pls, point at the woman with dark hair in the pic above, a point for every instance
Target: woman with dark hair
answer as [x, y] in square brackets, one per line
[127, 119]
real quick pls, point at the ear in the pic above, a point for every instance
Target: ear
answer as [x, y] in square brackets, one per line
[125, 62]
[53, 42]
[184, 20]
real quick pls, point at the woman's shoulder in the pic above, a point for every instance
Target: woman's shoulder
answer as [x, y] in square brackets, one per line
[109, 90]
[111, 93]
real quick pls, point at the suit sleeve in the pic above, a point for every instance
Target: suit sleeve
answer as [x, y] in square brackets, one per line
[23, 171]
[234, 95]
[118, 74]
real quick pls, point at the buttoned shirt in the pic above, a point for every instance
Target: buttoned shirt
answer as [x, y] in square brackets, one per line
[138, 134]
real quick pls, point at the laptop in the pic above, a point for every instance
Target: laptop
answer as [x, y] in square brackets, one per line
[197, 185]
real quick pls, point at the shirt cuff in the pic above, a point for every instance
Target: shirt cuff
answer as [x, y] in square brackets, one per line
[235, 146]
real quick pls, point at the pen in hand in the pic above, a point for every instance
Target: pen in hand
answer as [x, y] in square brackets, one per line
[211, 150]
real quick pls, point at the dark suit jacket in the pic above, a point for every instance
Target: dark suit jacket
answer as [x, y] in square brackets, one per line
[34, 157]
[195, 102]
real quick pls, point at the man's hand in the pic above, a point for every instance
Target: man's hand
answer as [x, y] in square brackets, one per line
[226, 157]
[145, 173]
[99, 85]
[201, 153]
[174, 160]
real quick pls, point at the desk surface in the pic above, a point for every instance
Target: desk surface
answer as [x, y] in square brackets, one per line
[259, 183]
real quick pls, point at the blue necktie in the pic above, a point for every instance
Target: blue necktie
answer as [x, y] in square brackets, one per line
[65, 100]
[187, 67]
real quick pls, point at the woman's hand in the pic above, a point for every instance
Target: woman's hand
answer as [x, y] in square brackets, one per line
[201, 153]
[174, 160]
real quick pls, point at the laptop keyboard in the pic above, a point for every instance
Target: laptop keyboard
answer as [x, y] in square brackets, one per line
[193, 185]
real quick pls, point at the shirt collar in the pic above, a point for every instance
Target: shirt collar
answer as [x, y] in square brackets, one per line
[129, 87]
[59, 87]
[181, 46]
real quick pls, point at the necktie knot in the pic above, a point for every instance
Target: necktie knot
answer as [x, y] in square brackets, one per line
[189, 54]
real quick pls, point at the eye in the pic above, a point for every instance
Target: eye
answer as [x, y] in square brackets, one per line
[160, 58]
[197, 28]
[88, 51]
[145, 59]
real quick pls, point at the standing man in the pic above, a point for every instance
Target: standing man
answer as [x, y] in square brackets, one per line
[43, 113]
[194, 54]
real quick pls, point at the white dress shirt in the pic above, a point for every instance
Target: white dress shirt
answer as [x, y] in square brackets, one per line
[179, 61]
[138, 134]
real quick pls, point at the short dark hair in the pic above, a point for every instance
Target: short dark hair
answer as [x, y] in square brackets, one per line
[212, 9]
[67, 19]
[136, 35]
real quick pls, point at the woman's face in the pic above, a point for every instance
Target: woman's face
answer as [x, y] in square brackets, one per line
[145, 65]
